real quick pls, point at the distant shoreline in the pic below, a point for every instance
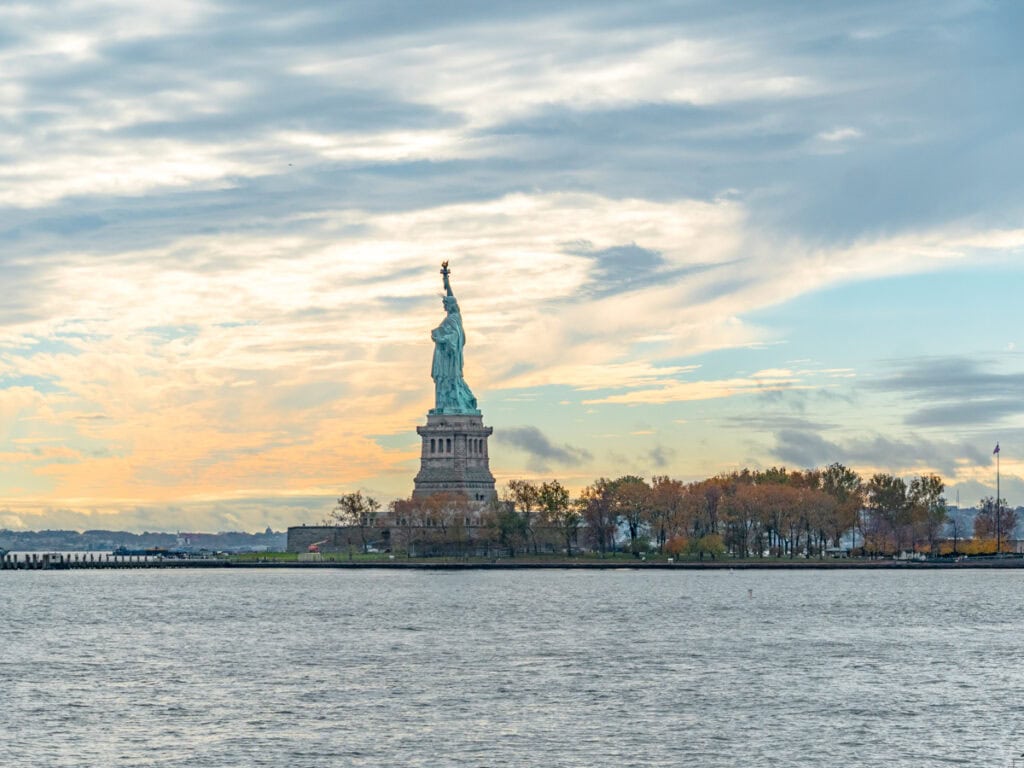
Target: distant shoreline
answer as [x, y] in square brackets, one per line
[510, 564]
[506, 565]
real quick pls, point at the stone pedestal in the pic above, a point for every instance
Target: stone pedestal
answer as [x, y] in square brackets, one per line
[454, 457]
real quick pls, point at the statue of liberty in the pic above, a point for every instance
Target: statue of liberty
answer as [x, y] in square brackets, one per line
[451, 393]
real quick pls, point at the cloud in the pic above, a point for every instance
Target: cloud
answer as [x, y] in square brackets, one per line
[955, 391]
[268, 348]
[661, 456]
[776, 423]
[541, 449]
[953, 376]
[623, 267]
[220, 224]
[680, 391]
[593, 66]
[916, 453]
[840, 134]
[973, 413]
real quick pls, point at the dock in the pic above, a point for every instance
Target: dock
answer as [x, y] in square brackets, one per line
[59, 561]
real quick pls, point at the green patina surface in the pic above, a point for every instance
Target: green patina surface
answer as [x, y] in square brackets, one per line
[452, 395]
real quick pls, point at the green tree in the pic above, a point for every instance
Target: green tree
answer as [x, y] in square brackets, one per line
[513, 531]
[710, 544]
[928, 508]
[558, 511]
[525, 495]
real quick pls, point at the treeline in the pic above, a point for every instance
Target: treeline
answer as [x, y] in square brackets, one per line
[751, 513]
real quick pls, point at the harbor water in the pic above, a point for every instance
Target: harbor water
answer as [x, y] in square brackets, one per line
[568, 668]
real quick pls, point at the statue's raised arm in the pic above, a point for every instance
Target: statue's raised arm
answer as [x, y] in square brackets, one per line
[445, 272]
[451, 393]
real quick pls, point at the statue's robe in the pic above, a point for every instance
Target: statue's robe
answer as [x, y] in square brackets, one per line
[451, 392]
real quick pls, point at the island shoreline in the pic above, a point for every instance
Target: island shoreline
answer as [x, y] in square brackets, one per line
[509, 565]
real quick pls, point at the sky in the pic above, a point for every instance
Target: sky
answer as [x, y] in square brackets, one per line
[686, 238]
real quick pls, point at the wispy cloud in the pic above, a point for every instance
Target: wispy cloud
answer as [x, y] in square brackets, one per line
[956, 391]
[840, 134]
[541, 450]
[675, 391]
[877, 453]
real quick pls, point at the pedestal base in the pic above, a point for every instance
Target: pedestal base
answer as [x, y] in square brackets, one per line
[454, 457]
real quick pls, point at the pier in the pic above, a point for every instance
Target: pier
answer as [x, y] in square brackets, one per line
[59, 561]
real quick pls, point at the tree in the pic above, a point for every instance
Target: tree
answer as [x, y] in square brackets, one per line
[704, 498]
[742, 515]
[406, 513]
[358, 511]
[994, 521]
[438, 522]
[558, 511]
[710, 544]
[506, 527]
[846, 487]
[889, 504]
[597, 509]
[525, 495]
[450, 515]
[632, 500]
[958, 526]
[513, 530]
[667, 508]
[677, 546]
[778, 504]
[928, 508]
[1009, 522]
[818, 511]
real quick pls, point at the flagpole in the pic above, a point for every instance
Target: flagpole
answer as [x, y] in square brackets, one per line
[999, 503]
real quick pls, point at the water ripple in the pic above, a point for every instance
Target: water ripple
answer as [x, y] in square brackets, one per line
[369, 668]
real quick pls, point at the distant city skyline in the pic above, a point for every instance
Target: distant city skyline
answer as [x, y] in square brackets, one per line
[685, 239]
